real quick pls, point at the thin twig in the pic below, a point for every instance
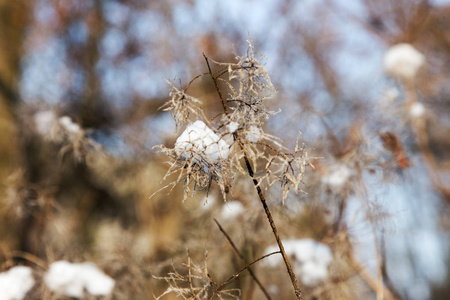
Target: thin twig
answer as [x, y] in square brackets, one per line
[235, 275]
[244, 260]
[31, 258]
[224, 105]
[297, 291]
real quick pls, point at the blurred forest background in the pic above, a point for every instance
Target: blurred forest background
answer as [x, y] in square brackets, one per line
[81, 82]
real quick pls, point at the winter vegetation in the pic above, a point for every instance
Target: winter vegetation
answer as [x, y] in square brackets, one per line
[224, 150]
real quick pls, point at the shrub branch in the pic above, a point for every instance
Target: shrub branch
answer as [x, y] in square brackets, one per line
[251, 173]
[244, 260]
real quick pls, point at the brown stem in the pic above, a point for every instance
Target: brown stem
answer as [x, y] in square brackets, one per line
[297, 291]
[234, 276]
[244, 260]
[214, 78]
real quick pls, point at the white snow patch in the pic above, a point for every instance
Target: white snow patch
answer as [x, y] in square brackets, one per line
[417, 110]
[199, 139]
[44, 121]
[67, 123]
[231, 210]
[310, 259]
[209, 202]
[15, 283]
[254, 134]
[232, 127]
[337, 176]
[403, 61]
[71, 279]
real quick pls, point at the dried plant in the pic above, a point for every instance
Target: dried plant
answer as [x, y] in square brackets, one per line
[202, 155]
[181, 105]
[79, 99]
[241, 127]
[196, 284]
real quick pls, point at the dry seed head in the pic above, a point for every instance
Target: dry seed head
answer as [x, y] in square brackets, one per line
[201, 155]
[251, 73]
[181, 105]
[199, 138]
[193, 282]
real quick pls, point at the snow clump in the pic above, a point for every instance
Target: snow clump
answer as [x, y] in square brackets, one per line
[69, 125]
[254, 134]
[337, 176]
[44, 121]
[71, 279]
[15, 283]
[231, 210]
[417, 110]
[310, 259]
[199, 140]
[232, 127]
[403, 61]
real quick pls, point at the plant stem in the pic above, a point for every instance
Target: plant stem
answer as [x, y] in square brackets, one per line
[244, 260]
[234, 276]
[214, 78]
[297, 291]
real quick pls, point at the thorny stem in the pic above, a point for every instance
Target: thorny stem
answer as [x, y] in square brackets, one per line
[243, 259]
[297, 291]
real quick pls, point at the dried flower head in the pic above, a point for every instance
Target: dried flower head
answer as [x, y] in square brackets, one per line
[181, 105]
[194, 282]
[200, 156]
[203, 154]
[250, 72]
